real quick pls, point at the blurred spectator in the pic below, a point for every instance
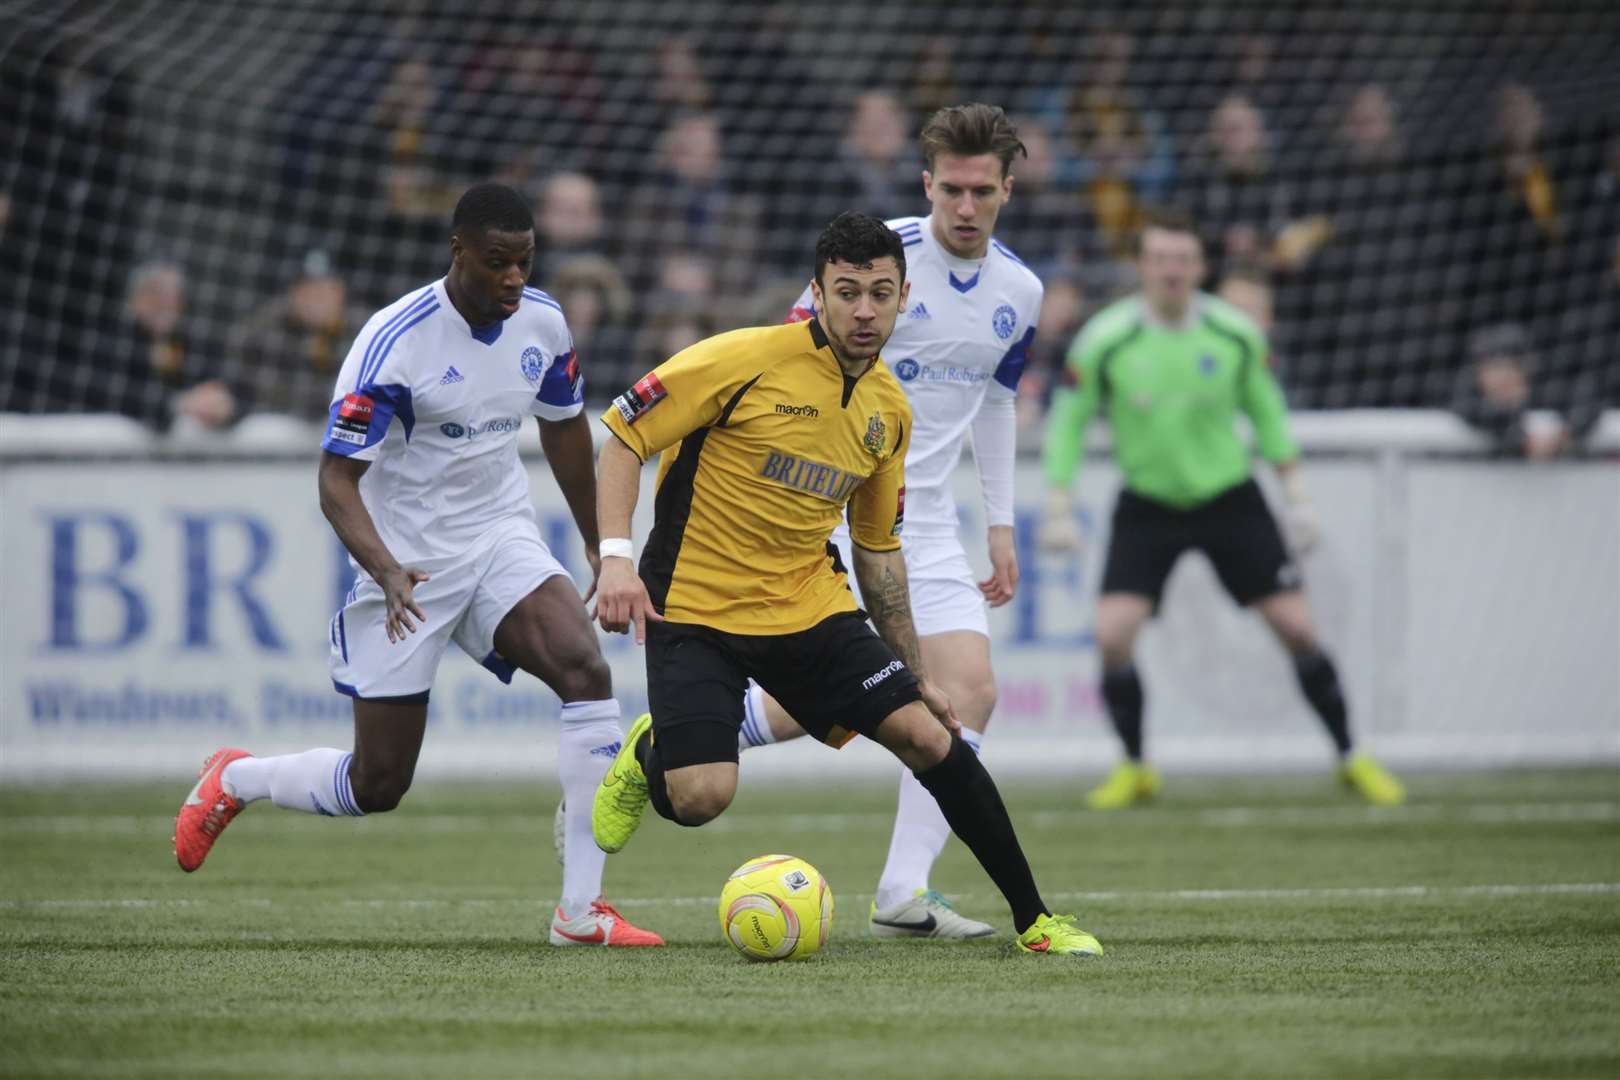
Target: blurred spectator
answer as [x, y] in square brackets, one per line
[1246, 210]
[1514, 231]
[1247, 289]
[150, 364]
[1354, 331]
[668, 328]
[596, 300]
[691, 206]
[1113, 150]
[285, 358]
[1501, 386]
[1063, 308]
[71, 189]
[932, 83]
[878, 169]
[568, 222]
[1045, 222]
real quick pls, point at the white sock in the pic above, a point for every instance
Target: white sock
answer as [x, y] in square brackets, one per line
[585, 749]
[920, 833]
[756, 727]
[316, 782]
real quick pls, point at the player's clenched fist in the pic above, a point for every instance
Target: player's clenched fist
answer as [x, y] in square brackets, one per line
[621, 599]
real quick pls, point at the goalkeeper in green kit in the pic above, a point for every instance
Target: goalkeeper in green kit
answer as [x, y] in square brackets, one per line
[1171, 367]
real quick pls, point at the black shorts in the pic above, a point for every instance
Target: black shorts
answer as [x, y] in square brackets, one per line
[1235, 530]
[836, 679]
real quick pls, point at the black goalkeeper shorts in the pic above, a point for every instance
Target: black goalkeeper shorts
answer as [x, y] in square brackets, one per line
[836, 679]
[1235, 529]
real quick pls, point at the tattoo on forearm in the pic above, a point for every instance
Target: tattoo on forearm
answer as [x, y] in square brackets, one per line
[888, 602]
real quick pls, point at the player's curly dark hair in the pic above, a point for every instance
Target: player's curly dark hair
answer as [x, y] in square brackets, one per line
[486, 208]
[860, 240]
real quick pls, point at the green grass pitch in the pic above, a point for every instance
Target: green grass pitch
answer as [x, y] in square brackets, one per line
[1255, 928]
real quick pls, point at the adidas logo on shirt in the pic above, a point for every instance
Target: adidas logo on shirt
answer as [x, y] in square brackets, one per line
[451, 375]
[919, 311]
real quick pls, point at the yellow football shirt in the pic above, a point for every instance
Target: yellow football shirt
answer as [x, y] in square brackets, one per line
[764, 440]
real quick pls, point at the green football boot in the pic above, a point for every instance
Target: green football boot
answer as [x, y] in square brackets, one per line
[1371, 781]
[1056, 935]
[1129, 784]
[621, 797]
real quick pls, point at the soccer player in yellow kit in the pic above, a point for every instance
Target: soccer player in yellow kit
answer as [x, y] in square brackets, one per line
[766, 434]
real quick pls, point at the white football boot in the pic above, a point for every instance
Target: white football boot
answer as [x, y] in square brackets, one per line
[925, 915]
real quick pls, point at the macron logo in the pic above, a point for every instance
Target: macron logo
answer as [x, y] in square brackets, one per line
[610, 750]
[881, 674]
[451, 375]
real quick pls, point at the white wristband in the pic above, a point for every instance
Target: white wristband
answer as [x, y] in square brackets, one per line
[616, 549]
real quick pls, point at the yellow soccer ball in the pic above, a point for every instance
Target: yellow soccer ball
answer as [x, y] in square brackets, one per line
[776, 907]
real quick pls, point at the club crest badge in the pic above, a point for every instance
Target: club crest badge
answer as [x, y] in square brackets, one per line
[1004, 321]
[530, 364]
[875, 431]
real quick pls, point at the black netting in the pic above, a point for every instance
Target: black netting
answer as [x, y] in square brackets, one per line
[195, 190]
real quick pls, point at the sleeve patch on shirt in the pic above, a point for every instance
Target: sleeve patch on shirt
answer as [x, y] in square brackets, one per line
[899, 511]
[353, 419]
[800, 314]
[634, 402]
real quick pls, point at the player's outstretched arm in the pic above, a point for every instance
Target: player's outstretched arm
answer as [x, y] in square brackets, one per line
[568, 449]
[621, 596]
[339, 481]
[887, 596]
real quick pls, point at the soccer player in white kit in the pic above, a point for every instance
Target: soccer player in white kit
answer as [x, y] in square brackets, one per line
[958, 350]
[421, 480]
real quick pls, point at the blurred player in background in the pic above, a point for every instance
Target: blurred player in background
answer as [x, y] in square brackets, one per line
[1171, 367]
[421, 481]
[958, 352]
[766, 436]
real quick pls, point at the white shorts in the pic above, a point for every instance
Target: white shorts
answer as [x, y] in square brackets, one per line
[945, 594]
[465, 598]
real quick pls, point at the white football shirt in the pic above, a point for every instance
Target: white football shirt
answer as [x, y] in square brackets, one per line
[437, 408]
[958, 350]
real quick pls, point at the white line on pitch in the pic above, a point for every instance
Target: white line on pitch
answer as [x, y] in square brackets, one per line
[1373, 892]
[1483, 813]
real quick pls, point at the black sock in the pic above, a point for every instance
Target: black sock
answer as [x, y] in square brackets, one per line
[1320, 681]
[973, 807]
[1122, 691]
[657, 790]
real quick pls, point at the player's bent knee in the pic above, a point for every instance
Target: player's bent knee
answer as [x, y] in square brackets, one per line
[916, 738]
[585, 677]
[700, 797]
[378, 794]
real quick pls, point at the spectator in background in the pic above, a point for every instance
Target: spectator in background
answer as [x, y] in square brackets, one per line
[1247, 289]
[285, 358]
[1501, 386]
[1044, 220]
[1514, 230]
[690, 205]
[877, 169]
[569, 223]
[597, 301]
[1064, 307]
[1246, 210]
[1125, 157]
[1356, 331]
[933, 84]
[71, 192]
[149, 363]
[407, 220]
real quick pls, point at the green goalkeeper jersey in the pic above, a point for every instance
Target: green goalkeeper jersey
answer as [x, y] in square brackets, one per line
[1172, 395]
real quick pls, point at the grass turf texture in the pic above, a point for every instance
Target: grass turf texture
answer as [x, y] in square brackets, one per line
[1266, 928]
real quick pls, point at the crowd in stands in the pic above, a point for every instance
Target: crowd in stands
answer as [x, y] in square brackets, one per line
[1395, 258]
